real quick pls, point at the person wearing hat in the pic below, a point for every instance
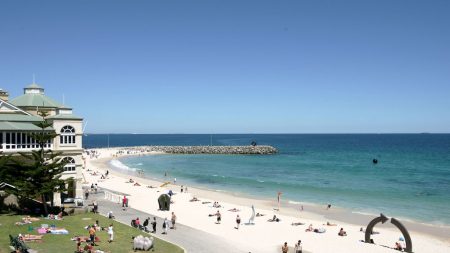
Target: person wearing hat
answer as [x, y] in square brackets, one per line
[400, 245]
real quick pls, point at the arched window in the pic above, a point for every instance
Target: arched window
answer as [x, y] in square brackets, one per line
[67, 135]
[70, 164]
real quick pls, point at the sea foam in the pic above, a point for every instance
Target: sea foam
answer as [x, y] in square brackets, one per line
[119, 165]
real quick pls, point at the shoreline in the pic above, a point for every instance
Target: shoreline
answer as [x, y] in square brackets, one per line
[313, 212]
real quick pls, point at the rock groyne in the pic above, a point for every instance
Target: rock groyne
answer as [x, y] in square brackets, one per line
[239, 150]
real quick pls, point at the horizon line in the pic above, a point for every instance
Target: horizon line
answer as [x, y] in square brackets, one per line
[267, 133]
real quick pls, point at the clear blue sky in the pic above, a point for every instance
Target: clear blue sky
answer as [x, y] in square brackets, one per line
[235, 66]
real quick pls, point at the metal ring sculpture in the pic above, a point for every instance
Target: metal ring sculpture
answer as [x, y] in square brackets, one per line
[397, 223]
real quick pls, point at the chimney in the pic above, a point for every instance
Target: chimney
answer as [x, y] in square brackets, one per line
[4, 95]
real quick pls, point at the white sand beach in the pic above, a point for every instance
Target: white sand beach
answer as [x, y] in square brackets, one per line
[263, 236]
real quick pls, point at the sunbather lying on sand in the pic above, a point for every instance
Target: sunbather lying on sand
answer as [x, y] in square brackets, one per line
[319, 230]
[136, 184]
[194, 199]
[330, 224]
[206, 202]
[234, 210]
[259, 214]
[297, 223]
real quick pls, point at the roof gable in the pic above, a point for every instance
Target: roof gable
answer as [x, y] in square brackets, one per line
[6, 107]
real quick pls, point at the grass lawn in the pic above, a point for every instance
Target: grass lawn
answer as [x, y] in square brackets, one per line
[75, 225]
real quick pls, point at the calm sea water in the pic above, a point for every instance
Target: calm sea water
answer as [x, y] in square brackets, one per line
[411, 179]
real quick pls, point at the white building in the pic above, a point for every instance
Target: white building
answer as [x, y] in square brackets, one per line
[16, 120]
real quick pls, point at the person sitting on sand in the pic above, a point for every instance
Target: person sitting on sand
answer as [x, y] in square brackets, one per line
[342, 232]
[234, 210]
[398, 246]
[275, 218]
[373, 232]
[310, 228]
[401, 242]
[330, 224]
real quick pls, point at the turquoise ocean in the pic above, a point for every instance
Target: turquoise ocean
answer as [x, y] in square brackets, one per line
[411, 179]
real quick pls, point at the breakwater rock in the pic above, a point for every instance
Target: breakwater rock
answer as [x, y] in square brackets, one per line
[240, 150]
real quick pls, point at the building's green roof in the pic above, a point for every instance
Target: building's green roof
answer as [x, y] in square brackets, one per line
[19, 117]
[19, 126]
[34, 100]
[65, 116]
[33, 86]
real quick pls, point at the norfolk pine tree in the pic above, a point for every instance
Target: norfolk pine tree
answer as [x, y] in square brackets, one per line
[38, 174]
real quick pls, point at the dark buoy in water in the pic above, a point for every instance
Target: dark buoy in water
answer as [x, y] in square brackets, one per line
[253, 143]
[374, 161]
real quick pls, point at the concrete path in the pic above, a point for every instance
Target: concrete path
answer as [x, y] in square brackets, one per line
[192, 240]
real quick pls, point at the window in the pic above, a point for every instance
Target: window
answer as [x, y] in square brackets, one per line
[70, 164]
[67, 135]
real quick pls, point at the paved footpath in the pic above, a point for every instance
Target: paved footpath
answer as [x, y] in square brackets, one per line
[192, 240]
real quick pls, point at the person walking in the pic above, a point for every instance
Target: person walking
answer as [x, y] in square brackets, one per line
[174, 218]
[154, 225]
[285, 248]
[219, 217]
[165, 226]
[95, 209]
[238, 221]
[110, 233]
[124, 202]
[298, 247]
[86, 194]
[92, 235]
